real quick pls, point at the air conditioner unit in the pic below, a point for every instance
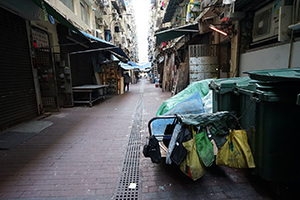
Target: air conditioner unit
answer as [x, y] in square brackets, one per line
[272, 21]
[296, 25]
[97, 33]
[285, 19]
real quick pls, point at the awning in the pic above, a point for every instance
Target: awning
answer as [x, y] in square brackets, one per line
[115, 58]
[46, 7]
[102, 45]
[144, 66]
[125, 66]
[132, 65]
[173, 33]
[119, 53]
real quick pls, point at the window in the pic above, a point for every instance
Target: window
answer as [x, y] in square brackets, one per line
[84, 8]
[69, 4]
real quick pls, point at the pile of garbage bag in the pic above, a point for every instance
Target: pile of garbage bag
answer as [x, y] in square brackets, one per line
[194, 138]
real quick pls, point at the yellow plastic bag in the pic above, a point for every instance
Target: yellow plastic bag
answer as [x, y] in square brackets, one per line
[236, 151]
[192, 166]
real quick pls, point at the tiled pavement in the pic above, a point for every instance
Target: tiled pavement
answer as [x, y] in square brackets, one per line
[81, 154]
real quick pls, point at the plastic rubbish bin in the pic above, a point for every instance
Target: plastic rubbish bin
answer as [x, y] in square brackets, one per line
[267, 104]
[271, 108]
[291, 74]
[246, 103]
[223, 96]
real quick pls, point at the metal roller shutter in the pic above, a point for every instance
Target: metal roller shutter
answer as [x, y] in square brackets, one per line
[17, 92]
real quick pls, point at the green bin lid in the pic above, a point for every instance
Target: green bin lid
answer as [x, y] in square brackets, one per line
[291, 74]
[232, 82]
[223, 86]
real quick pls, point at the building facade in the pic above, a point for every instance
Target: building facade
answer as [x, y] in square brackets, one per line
[245, 35]
[49, 47]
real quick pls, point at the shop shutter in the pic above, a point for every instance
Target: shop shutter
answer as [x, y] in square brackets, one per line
[17, 92]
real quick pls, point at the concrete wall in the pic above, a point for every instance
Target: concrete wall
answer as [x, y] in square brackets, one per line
[270, 58]
[68, 14]
[49, 28]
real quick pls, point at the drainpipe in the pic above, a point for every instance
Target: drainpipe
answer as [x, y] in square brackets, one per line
[294, 18]
[238, 54]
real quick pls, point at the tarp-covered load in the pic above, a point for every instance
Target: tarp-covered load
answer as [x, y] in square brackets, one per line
[190, 134]
[202, 87]
[192, 105]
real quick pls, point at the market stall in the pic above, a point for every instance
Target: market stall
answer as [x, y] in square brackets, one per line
[89, 93]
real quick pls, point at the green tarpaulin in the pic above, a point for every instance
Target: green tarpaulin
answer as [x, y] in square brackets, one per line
[199, 86]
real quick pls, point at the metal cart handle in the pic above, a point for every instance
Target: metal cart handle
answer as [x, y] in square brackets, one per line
[160, 117]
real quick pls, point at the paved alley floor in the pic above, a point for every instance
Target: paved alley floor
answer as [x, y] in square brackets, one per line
[96, 153]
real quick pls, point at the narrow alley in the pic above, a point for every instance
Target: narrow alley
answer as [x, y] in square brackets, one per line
[96, 153]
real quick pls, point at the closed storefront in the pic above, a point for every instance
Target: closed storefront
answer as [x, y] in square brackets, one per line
[17, 92]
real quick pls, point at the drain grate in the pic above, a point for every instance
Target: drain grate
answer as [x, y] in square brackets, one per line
[130, 174]
[128, 187]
